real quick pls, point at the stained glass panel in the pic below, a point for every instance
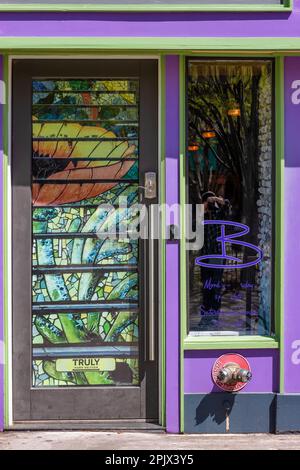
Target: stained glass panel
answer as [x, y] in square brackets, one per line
[93, 327]
[85, 293]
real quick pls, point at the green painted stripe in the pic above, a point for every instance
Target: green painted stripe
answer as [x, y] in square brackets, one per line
[194, 44]
[279, 212]
[5, 240]
[87, 53]
[232, 342]
[183, 261]
[162, 241]
[287, 6]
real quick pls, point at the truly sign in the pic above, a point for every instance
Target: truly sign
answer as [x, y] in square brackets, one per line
[85, 363]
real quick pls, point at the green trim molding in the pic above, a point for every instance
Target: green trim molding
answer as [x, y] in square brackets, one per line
[162, 198]
[178, 45]
[279, 212]
[286, 5]
[230, 342]
[6, 217]
[183, 260]
[5, 163]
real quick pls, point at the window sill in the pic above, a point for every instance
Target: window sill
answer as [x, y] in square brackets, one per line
[143, 6]
[229, 342]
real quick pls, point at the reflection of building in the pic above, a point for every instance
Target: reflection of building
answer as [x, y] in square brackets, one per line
[113, 105]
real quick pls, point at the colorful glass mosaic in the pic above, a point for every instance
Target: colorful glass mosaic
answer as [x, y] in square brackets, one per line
[91, 327]
[45, 374]
[85, 154]
[75, 286]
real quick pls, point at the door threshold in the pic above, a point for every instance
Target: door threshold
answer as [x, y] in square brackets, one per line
[82, 425]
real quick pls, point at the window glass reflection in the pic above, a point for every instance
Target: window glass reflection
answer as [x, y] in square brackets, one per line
[230, 172]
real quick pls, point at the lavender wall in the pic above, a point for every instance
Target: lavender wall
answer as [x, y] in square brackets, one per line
[263, 363]
[153, 24]
[2, 97]
[195, 25]
[172, 249]
[292, 226]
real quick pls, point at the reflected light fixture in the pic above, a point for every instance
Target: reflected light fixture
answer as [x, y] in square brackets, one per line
[193, 148]
[234, 112]
[208, 134]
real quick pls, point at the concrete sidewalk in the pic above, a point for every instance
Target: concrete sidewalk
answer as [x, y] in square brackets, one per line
[93, 440]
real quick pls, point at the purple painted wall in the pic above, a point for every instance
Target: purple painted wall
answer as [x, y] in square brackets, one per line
[172, 249]
[152, 24]
[263, 363]
[197, 363]
[292, 226]
[2, 97]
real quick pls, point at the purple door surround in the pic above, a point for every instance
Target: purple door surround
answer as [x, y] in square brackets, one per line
[263, 362]
[291, 226]
[172, 248]
[2, 98]
[189, 24]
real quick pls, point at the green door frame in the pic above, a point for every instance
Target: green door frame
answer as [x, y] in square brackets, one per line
[7, 216]
[210, 47]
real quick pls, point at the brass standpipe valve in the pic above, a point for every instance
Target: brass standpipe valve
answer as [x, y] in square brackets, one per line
[232, 373]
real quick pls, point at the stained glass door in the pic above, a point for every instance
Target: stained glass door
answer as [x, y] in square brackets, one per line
[84, 134]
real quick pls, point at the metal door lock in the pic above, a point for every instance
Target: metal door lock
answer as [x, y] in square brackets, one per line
[150, 185]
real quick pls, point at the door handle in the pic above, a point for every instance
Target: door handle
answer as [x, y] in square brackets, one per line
[151, 296]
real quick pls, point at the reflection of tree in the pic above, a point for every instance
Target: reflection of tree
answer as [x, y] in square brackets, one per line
[217, 89]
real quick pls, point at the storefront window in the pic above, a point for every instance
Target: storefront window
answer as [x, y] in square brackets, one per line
[230, 172]
[85, 154]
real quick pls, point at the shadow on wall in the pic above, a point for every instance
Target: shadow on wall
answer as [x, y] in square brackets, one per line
[211, 406]
[216, 413]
